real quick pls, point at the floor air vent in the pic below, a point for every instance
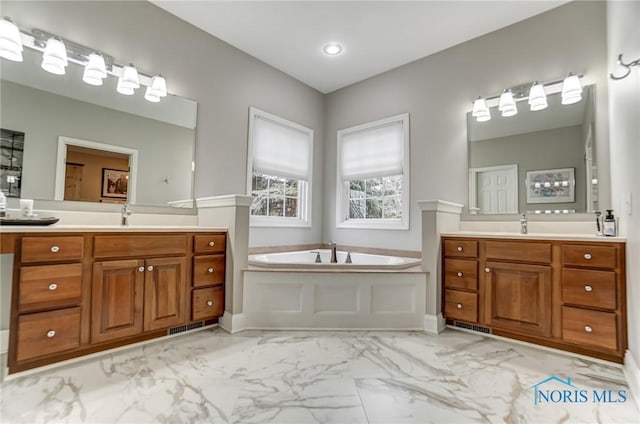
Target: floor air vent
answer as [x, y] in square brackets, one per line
[183, 328]
[472, 327]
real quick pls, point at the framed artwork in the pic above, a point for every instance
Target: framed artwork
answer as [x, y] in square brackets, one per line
[115, 183]
[551, 186]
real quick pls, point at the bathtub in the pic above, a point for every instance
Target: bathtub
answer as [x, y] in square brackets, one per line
[306, 259]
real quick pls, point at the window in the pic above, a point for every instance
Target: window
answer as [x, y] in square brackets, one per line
[373, 175]
[279, 170]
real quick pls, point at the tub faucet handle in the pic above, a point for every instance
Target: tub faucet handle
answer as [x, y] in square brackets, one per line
[348, 260]
[318, 259]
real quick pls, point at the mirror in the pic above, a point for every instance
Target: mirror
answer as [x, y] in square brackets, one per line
[90, 143]
[541, 162]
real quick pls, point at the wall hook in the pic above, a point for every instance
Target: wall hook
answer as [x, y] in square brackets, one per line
[626, 65]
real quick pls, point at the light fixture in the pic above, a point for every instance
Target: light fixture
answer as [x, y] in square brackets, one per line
[157, 89]
[54, 58]
[537, 97]
[95, 70]
[332, 49]
[10, 41]
[128, 81]
[507, 105]
[480, 110]
[571, 90]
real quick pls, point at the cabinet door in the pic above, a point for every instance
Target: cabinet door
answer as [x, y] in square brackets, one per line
[117, 296]
[165, 293]
[518, 297]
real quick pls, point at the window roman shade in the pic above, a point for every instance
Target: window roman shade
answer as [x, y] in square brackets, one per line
[280, 150]
[373, 152]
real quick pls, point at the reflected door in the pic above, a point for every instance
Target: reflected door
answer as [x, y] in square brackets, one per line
[73, 181]
[497, 190]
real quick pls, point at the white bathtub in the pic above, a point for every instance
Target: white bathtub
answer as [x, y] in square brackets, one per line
[307, 259]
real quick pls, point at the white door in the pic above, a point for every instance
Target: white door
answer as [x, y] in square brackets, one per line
[497, 189]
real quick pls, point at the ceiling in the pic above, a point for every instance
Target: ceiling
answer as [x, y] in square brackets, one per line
[376, 35]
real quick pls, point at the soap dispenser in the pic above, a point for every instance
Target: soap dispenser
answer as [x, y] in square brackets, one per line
[3, 204]
[609, 225]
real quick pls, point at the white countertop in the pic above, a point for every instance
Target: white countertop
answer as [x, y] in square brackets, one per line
[57, 228]
[534, 236]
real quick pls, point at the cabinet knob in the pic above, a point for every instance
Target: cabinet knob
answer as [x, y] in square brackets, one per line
[587, 256]
[51, 333]
[588, 288]
[487, 270]
[53, 286]
[459, 306]
[459, 274]
[141, 269]
[149, 268]
[209, 303]
[210, 270]
[55, 249]
[459, 248]
[212, 243]
[588, 329]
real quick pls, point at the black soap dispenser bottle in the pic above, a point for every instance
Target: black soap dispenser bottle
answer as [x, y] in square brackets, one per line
[609, 225]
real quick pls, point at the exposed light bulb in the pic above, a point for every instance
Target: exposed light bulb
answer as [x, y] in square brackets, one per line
[54, 58]
[10, 41]
[537, 97]
[95, 70]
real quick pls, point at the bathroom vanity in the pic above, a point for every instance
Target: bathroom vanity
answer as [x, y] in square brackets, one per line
[82, 290]
[565, 293]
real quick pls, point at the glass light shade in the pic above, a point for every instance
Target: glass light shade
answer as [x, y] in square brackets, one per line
[95, 70]
[480, 110]
[483, 117]
[122, 89]
[571, 90]
[54, 59]
[537, 97]
[10, 41]
[150, 96]
[571, 99]
[507, 105]
[129, 77]
[158, 86]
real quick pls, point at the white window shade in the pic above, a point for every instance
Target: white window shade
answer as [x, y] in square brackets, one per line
[280, 150]
[374, 152]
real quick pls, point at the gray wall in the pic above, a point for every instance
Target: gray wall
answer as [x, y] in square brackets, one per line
[437, 92]
[549, 149]
[222, 79]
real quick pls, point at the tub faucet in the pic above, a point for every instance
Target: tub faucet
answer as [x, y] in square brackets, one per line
[523, 224]
[334, 256]
[125, 213]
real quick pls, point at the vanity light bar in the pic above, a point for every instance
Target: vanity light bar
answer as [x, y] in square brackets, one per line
[97, 65]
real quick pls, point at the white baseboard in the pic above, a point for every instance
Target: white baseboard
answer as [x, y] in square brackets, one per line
[632, 374]
[232, 323]
[4, 341]
[434, 324]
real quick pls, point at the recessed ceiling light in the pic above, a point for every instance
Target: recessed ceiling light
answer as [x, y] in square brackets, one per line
[332, 49]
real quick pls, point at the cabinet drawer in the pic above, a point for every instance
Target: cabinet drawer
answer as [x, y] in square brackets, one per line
[461, 274]
[588, 287]
[586, 327]
[207, 303]
[461, 305]
[47, 333]
[41, 249]
[49, 286]
[209, 243]
[139, 245]
[461, 248]
[208, 270]
[590, 256]
[518, 251]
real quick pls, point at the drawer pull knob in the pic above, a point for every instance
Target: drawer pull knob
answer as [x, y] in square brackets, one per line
[149, 268]
[141, 269]
[459, 248]
[209, 303]
[55, 249]
[587, 256]
[588, 329]
[210, 270]
[588, 288]
[459, 274]
[212, 243]
[459, 306]
[487, 270]
[51, 333]
[53, 286]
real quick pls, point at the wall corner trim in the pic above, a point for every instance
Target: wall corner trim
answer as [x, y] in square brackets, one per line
[232, 323]
[434, 324]
[227, 200]
[440, 206]
[632, 374]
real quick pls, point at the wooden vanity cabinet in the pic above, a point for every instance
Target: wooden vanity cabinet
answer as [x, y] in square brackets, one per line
[78, 293]
[564, 294]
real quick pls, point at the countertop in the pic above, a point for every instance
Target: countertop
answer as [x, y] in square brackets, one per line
[55, 228]
[535, 236]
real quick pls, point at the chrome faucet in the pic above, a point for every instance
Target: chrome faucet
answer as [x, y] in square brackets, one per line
[125, 212]
[523, 224]
[334, 256]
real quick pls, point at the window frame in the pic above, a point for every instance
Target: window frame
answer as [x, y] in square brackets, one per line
[304, 187]
[342, 187]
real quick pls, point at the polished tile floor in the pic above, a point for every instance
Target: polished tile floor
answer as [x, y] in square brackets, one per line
[316, 377]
